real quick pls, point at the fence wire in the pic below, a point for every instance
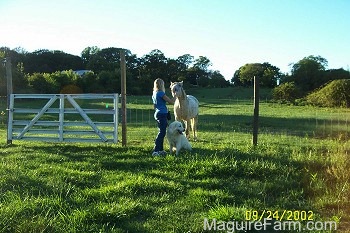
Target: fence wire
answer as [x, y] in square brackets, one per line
[236, 115]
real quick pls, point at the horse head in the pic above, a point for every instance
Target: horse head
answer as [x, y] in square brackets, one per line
[177, 89]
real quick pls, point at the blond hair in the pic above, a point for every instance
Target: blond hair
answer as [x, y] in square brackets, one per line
[158, 85]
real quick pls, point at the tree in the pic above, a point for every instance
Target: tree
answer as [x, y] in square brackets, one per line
[110, 81]
[89, 83]
[236, 78]
[173, 69]
[202, 63]
[270, 75]
[107, 59]
[19, 83]
[152, 66]
[218, 80]
[50, 83]
[286, 92]
[39, 83]
[267, 73]
[179, 67]
[45, 61]
[88, 52]
[248, 71]
[106, 64]
[184, 61]
[200, 71]
[309, 72]
[334, 74]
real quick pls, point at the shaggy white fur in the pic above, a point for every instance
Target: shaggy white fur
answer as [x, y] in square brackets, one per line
[186, 108]
[176, 138]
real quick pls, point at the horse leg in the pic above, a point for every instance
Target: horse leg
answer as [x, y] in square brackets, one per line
[194, 122]
[187, 128]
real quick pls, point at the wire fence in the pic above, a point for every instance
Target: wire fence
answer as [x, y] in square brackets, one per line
[236, 115]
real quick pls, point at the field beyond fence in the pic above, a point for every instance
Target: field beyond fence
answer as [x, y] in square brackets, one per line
[301, 164]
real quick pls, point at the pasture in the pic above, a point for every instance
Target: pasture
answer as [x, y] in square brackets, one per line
[301, 163]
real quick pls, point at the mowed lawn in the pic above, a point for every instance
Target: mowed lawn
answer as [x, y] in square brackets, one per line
[301, 164]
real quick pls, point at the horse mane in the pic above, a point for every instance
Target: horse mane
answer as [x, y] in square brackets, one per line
[184, 96]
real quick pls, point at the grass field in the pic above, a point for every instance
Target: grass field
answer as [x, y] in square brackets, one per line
[301, 164]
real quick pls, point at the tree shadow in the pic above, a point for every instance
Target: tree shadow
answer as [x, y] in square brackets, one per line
[244, 178]
[234, 176]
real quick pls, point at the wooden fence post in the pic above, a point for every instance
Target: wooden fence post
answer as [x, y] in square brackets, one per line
[123, 94]
[9, 92]
[256, 111]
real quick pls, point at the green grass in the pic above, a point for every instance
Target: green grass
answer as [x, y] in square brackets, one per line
[301, 163]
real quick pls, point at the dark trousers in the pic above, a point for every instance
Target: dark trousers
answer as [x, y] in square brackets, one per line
[162, 124]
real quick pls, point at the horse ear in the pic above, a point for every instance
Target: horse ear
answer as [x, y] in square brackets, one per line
[171, 83]
[181, 83]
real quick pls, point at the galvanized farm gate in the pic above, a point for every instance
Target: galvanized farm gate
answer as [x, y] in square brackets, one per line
[63, 118]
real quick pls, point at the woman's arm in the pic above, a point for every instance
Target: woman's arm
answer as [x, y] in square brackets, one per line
[167, 99]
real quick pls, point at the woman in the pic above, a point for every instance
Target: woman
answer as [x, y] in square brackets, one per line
[159, 102]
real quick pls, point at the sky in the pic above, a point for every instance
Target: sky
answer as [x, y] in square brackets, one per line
[230, 33]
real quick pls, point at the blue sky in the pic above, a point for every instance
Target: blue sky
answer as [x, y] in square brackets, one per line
[230, 33]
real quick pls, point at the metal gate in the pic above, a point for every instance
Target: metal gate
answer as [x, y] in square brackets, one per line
[63, 117]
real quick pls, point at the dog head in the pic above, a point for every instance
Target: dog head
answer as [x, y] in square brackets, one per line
[176, 88]
[176, 127]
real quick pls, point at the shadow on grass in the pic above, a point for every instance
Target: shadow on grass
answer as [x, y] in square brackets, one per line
[242, 175]
[106, 156]
[208, 177]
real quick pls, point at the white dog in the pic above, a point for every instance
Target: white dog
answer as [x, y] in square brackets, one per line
[176, 138]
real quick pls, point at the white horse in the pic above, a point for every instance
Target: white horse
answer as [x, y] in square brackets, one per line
[185, 108]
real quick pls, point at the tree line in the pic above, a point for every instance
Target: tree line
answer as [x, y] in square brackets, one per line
[45, 71]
